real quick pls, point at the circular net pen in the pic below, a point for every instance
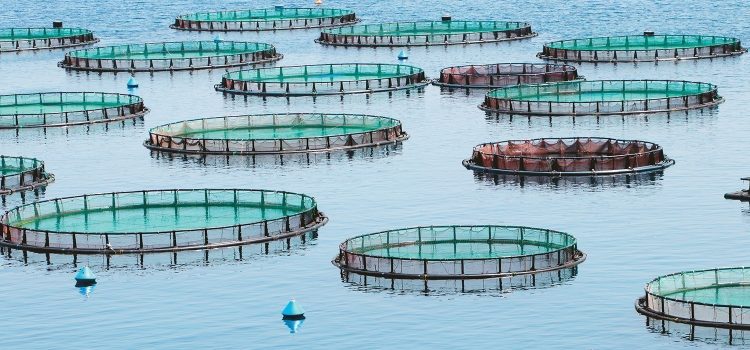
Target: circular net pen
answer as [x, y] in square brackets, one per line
[170, 56]
[323, 79]
[275, 134]
[574, 156]
[277, 18]
[20, 174]
[641, 48]
[425, 33]
[20, 39]
[55, 109]
[458, 252]
[158, 221]
[716, 298]
[505, 74]
[601, 97]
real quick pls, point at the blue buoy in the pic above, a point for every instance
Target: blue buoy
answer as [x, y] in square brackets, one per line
[294, 325]
[132, 83]
[85, 277]
[217, 39]
[402, 55]
[292, 311]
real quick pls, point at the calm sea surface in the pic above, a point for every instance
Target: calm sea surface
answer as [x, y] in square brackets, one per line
[631, 232]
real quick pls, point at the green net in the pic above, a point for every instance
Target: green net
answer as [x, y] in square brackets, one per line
[642, 42]
[280, 13]
[61, 102]
[171, 50]
[426, 28]
[17, 165]
[13, 34]
[601, 91]
[728, 286]
[324, 73]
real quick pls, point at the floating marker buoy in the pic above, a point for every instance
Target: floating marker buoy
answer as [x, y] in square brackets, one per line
[402, 55]
[217, 39]
[57, 24]
[446, 17]
[279, 7]
[85, 277]
[132, 83]
[293, 325]
[292, 311]
[317, 2]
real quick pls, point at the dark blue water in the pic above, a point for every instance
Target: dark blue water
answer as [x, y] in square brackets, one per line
[631, 232]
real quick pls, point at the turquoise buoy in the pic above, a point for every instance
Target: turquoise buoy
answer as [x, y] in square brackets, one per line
[294, 325]
[402, 55]
[85, 277]
[132, 83]
[292, 311]
[217, 39]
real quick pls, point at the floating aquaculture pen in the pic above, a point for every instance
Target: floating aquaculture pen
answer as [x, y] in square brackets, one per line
[446, 32]
[20, 174]
[170, 56]
[458, 252]
[574, 156]
[53, 109]
[715, 298]
[601, 97]
[275, 133]
[505, 74]
[323, 79]
[741, 195]
[20, 39]
[158, 221]
[640, 48]
[276, 18]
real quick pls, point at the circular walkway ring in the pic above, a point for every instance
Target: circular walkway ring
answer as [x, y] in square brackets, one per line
[265, 19]
[24, 39]
[488, 76]
[22, 174]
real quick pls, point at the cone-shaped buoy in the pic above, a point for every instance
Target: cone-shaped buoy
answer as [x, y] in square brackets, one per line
[132, 83]
[85, 277]
[294, 325]
[292, 311]
[402, 55]
[317, 2]
[217, 39]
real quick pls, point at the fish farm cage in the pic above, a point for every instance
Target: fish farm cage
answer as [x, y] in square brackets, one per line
[21, 39]
[20, 174]
[422, 33]
[323, 79]
[275, 133]
[715, 298]
[573, 156]
[601, 97]
[277, 18]
[641, 48]
[458, 252]
[505, 74]
[157, 221]
[55, 109]
[170, 56]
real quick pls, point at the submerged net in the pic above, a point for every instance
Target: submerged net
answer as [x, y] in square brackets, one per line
[641, 48]
[446, 252]
[505, 74]
[275, 133]
[17, 39]
[276, 18]
[602, 97]
[568, 156]
[425, 33]
[716, 298]
[158, 221]
[323, 79]
[19, 173]
[179, 55]
[67, 108]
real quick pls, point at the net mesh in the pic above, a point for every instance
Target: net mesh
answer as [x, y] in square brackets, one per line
[19, 173]
[425, 33]
[568, 155]
[505, 74]
[718, 296]
[275, 133]
[67, 108]
[601, 97]
[323, 79]
[440, 252]
[152, 221]
[16, 39]
[641, 48]
[170, 56]
[265, 19]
